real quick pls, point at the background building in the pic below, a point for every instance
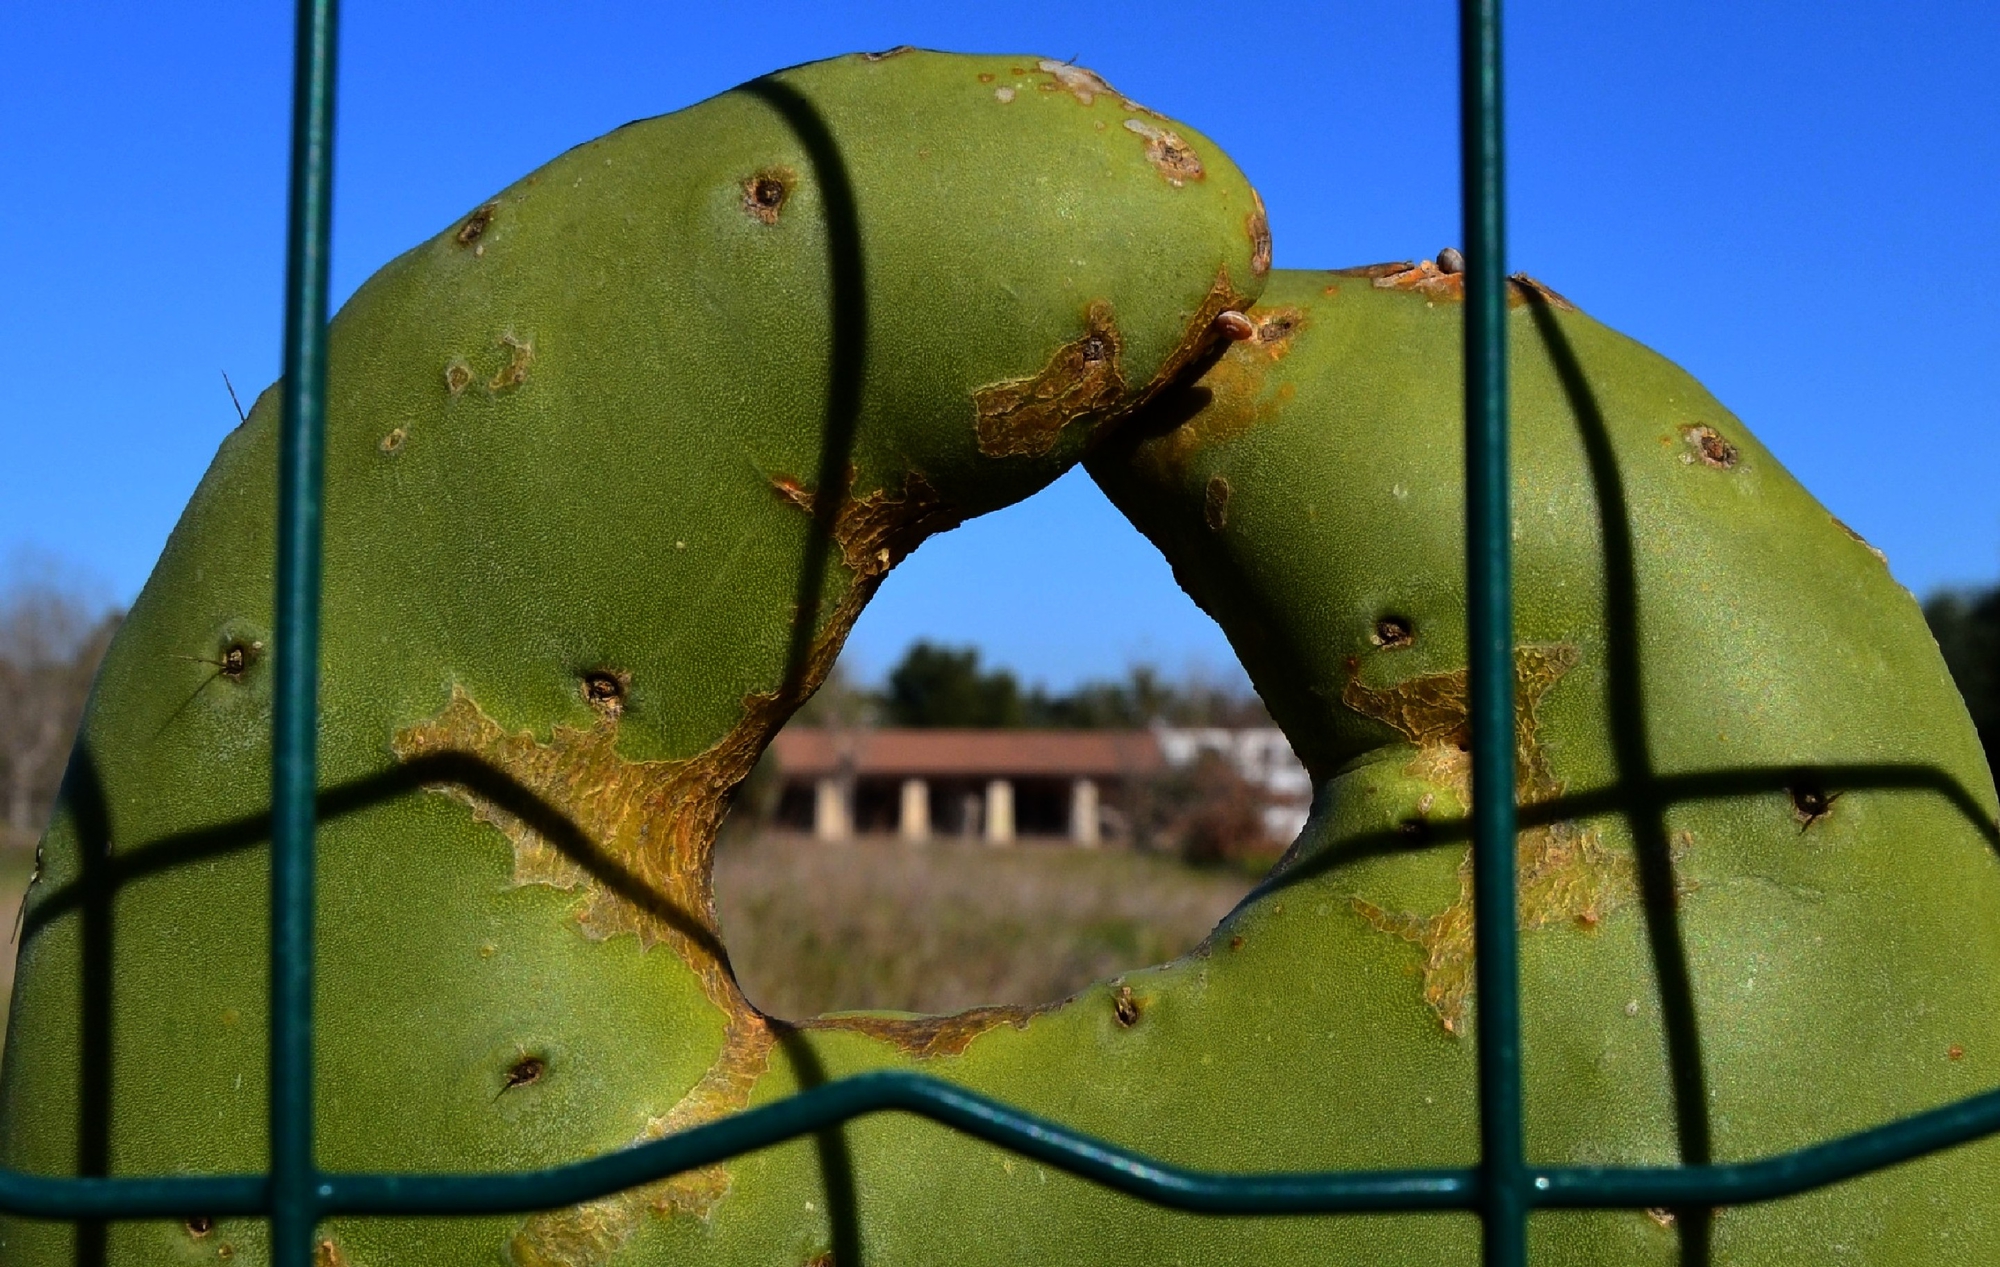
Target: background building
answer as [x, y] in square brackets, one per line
[1000, 785]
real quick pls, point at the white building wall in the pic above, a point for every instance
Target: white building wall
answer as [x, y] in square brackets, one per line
[1262, 757]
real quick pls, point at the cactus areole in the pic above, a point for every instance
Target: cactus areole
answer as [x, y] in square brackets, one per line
[612, 464]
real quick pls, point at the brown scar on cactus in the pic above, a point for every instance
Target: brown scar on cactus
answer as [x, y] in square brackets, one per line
[593, 1233]
[1215, 503]
[790, 490]
[926, 1037]
[1564, 872]
[1231, 393]
[1082, 380]
[651, 826]
[515, 371]
[393, 442]
[1431, 710]
[1443, 279]
[1215, 319]
[1172, 157]
[1427, 279]
[457, 376]
[1522, 288]
[328, 1254]
[1566, 877]
[476, 224]
[764, 193]
[660, 817]
[1855, 536]
[878, 531]
[1258, 226]
[1375, 271]
[1085, 85]
[649, 822]
[1706, 445]
[1203, 328]
[1275, 328]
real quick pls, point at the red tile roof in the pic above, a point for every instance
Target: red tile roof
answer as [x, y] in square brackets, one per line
[811, 752]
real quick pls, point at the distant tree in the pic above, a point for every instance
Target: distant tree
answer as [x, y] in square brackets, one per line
[50, 644]
[1221, 823]
[1145, 698]
[944, 686]
[1140, 700]
[1967, 628]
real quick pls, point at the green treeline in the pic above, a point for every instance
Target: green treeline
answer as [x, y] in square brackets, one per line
[940, 685]
[937, 685]
[1966, 625]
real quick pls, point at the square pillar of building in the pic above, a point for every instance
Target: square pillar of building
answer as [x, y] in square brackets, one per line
[914, 823]
[833, 809]
[1000, 812]
[1083, 812]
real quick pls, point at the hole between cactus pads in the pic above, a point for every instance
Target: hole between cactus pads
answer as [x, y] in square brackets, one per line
[869, 863]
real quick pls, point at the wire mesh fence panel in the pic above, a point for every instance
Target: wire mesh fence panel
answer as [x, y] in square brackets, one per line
[1502, 1189]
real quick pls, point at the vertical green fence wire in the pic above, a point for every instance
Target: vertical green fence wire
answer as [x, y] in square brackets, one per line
[1503, 1164]
[295, 715]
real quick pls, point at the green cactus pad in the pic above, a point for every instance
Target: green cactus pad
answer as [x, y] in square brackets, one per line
[1759, 895]
[612, 463]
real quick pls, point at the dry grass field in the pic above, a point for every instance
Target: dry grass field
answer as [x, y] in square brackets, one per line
[877, 923]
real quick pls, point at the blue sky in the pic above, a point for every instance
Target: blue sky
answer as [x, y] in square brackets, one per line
[1800, 203]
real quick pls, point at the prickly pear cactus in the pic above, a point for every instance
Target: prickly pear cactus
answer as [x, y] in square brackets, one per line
[1759, 897]
[612, 464]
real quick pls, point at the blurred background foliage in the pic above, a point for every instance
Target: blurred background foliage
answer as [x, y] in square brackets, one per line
[939, 685]
[51, 637]
[1966, 624]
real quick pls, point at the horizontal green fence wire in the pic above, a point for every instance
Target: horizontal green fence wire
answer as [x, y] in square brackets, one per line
[1564, 1187]
[1502, 1189]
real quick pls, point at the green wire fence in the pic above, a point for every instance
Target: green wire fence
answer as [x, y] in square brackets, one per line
[1502, 1189]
